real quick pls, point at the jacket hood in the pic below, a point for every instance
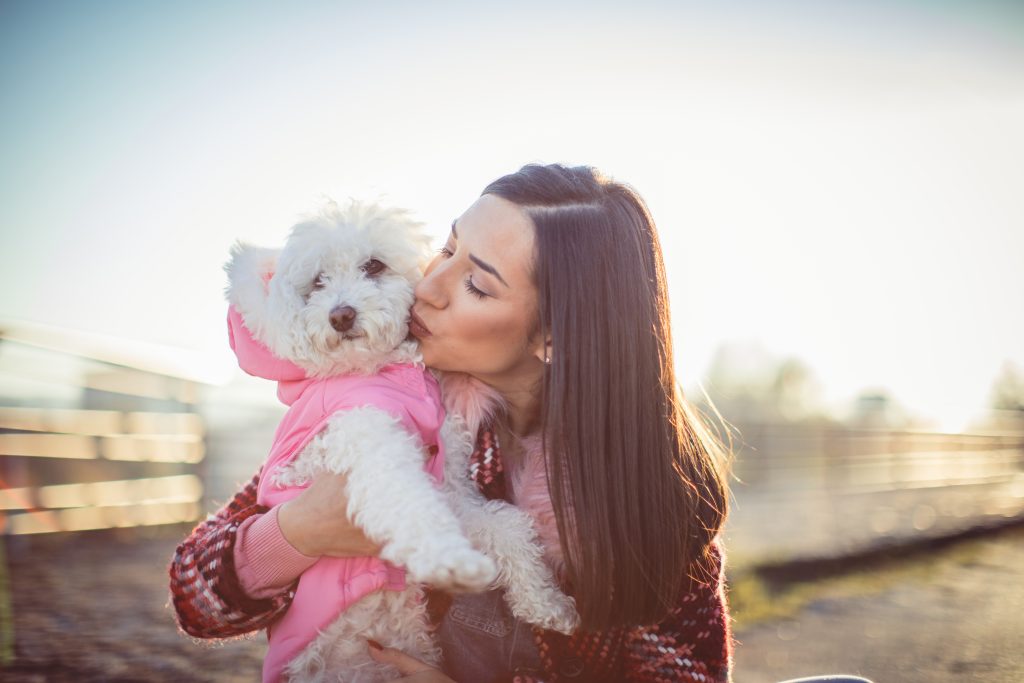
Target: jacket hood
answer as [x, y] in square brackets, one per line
[255, 358]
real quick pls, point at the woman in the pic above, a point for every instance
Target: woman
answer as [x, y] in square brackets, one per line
[551, 291]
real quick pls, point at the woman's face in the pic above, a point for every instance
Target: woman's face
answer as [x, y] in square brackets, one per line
[476, 306]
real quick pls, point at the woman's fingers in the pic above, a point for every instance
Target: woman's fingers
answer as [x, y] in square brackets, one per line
[316, 524]
[406, 664]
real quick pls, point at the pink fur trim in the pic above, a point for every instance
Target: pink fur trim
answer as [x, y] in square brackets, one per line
[467, 396]
[478, 404]
[528, 488]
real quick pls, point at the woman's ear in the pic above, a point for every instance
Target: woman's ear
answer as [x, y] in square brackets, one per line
[543, 352]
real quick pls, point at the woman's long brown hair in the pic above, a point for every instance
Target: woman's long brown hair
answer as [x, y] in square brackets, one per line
[637, 482]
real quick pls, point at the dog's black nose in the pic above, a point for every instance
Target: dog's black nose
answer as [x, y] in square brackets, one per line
[342, 318]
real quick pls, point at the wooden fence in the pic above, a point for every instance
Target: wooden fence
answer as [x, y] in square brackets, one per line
[806, 491]
[91, 444]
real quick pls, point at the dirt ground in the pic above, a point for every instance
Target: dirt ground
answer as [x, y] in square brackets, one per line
[954, 615]
[93, 607]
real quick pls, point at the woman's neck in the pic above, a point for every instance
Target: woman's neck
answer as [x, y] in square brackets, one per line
[523, 413]
[520, 391]
[520, 420]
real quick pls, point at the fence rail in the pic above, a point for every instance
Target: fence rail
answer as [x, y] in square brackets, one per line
[811, 491]
[38, 497]
[94, 444]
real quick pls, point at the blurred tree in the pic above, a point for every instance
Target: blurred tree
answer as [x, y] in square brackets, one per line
[1007, 400]
[876, 409]
[795, 391]
[1008, 389]
[747, 384]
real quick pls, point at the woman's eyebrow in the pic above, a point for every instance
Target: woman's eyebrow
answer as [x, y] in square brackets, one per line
[484, 265]
[489, 268]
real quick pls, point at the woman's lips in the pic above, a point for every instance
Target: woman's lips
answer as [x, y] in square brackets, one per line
[416, 326]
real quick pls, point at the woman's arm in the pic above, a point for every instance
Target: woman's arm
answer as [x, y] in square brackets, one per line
[207, 597]
[266, 562]
[235, 572]
[694, 643]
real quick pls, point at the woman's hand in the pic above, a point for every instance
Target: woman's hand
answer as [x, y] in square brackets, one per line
[411, 668]
[316, 524]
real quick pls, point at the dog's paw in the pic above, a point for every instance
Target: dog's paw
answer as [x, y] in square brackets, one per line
[552, 610]
[463, 569]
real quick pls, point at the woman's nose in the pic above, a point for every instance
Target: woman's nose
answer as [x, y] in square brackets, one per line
[430, 289]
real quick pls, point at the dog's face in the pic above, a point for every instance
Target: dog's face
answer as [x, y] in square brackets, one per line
[340, 291]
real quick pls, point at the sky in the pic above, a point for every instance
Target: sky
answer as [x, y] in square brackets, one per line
[835, 181]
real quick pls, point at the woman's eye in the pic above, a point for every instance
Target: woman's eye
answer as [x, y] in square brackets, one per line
[320, 281]
[471, 288]
[373, 267]
[445, 251]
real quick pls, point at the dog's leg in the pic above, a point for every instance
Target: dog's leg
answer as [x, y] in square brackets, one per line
[396, 503]
[505, 534]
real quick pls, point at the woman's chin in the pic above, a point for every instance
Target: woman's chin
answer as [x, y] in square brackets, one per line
[430, 358]
[435, 365]
[443, 364]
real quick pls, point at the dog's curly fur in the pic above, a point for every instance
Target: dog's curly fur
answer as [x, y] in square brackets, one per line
[285, 298]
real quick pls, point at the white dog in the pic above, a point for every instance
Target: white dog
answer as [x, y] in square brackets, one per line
[332, 309]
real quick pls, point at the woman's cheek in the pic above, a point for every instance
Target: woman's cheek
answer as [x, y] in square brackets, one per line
[433, 354]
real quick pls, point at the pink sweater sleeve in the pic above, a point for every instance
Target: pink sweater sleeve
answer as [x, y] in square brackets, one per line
[265, 562]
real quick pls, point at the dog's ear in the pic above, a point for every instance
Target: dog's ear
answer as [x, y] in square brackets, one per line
[249, 271]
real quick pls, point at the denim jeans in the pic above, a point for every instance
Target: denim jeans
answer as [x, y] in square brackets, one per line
[482, 641]
[835, 678]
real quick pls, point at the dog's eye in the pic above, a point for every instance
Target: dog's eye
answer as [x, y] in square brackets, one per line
[320, 281]
[373, 267]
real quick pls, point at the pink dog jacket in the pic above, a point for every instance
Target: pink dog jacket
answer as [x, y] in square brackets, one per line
[410, 394]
